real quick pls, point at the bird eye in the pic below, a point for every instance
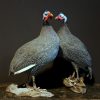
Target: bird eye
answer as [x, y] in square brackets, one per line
[46, 14]
[60, 16]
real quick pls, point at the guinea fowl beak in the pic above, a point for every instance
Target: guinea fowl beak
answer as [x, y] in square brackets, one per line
[50, 15]
[56, 17]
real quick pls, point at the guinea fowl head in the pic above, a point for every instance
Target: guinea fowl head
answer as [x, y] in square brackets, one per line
[47, 15]
[61, 17]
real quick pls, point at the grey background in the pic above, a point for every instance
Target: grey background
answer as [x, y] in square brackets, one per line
[21, 21]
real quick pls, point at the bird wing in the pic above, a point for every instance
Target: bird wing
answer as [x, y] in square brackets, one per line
[80, 56]
[21, 57]
[27, 56]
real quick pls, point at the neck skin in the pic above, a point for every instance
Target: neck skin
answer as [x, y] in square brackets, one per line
[65, 29]
[46, 28]
[46, 23]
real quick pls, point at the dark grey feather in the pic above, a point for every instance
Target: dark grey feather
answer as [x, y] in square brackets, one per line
[39, 51]
[73, 48]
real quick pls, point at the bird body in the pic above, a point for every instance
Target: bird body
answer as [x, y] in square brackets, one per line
[73, 48]
[36, 53]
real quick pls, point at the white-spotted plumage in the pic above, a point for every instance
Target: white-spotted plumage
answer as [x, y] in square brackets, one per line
[38, 52]
[73, 48]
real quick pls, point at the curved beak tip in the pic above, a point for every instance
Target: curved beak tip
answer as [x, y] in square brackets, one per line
[51, 15]
[56, 18]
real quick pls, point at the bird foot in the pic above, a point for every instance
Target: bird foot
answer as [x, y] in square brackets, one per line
[76, 85]
[34, 87]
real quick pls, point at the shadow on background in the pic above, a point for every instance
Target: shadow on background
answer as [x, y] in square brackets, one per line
[53, 78]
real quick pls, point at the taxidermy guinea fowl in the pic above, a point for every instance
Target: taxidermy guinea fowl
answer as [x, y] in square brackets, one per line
[73, 48]
[38, 52]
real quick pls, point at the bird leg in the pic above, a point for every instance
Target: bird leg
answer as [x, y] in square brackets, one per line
[34, 84]
[69, 82]
[76, 69]
[90, 72]
[75, 84]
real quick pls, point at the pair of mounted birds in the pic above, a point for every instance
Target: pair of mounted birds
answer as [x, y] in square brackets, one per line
[44, 49]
